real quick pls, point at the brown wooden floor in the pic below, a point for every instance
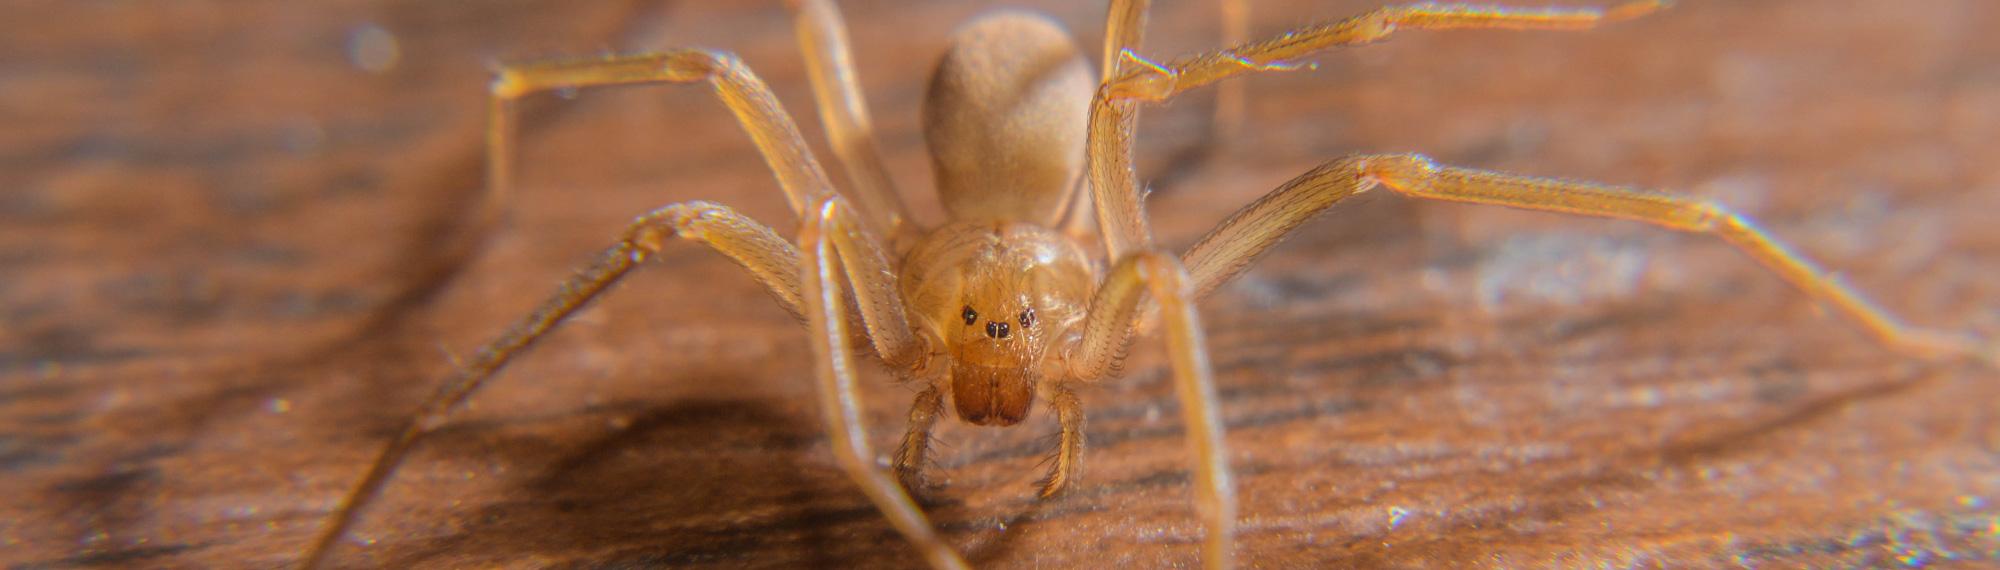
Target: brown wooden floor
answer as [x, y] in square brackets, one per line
[227, 270]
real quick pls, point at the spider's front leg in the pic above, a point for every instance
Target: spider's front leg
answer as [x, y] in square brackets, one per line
[1131, 80]
[1067, 462]
[914, 454]
[1114, 311]
[840, 400]
[839, 245]
[770, 259]
[1227, 250]
[822, 38]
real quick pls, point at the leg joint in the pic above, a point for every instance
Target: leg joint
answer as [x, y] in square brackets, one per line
[1394, 170]
[649, 233]
[822, 214]
[1163, 272]
[1705, 215]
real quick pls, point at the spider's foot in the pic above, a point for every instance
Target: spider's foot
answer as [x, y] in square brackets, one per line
[912, 478]
[1943, 345]
[1051, 486]
[1635, 9]
[1058, 480]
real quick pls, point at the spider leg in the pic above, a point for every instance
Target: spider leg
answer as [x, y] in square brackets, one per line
[1231, 104]
[1124, 29]
[1068, 460]
[1229, 248]
[770, 259]
[842, 107]
[1116, 194]
[1106, 330]
[838, 396]
[1144, 80]
[1108, 166]
[916, 447]
[777, 138]
[756, 109]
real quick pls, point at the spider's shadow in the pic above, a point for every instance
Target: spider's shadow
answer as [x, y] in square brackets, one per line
[725, 483]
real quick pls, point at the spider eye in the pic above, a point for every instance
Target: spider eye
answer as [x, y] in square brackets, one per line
[969, 316]
[1028, 318]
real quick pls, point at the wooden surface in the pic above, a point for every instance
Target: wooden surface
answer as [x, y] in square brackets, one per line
[227, 270]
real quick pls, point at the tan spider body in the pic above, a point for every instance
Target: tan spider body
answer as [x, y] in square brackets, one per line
[997, 286]
[1008, 302]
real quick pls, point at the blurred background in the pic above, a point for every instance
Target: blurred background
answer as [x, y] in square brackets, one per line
[235, 252]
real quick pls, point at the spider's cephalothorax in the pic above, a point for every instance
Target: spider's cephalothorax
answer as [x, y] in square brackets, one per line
[999, 296]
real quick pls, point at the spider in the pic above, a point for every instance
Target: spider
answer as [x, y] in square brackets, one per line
[1045, 270]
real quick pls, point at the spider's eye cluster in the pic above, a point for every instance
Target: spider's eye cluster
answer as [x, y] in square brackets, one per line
[1000, 328]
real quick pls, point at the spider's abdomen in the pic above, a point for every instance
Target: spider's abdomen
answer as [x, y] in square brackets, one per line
[1005, 118]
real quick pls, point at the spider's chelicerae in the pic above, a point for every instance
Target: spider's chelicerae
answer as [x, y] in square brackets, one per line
[1004, 303]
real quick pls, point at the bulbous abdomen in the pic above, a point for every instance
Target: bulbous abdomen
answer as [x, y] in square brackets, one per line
[1005, 119]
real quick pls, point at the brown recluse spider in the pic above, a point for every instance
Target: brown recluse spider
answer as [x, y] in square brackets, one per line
[1004, 303]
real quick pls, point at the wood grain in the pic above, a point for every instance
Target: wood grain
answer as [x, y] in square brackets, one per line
[231, 260]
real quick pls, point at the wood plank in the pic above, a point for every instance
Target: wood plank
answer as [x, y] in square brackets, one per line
[229, 266]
